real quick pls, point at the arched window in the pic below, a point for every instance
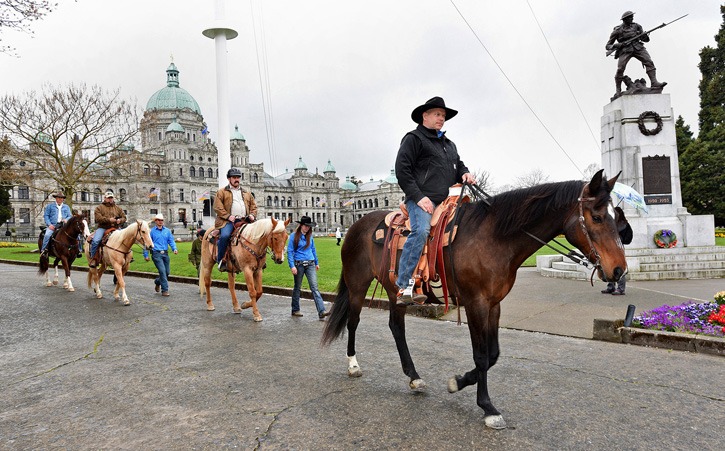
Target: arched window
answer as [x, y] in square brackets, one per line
[122, 194]
[365, 203]
[217, 173]
[192, 171]
[282, 202]
[255, 178]
[157, 170]
[359, 205]
[387, 202]
[276, 201]
[181, 172]
[146, 170]
[269, 201]
[193, 195]
[289, 201]
[376, 202]
[210, 173]
[97, 195]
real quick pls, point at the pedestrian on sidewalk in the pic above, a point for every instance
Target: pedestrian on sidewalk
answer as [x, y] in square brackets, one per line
[338, 235]
[302, 258]
[195, 254]
[162, 239]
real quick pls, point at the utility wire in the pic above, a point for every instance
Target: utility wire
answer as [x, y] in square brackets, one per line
[591, 132]
[266, 107]
[514, 86]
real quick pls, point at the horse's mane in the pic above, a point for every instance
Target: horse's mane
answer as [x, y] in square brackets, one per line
[521, 208]
[256, 230]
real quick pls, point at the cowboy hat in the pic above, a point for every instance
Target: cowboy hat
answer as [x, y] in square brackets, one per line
[306, 220]
[435, 102]
[109, 194]
[59, 194]
[159, 216]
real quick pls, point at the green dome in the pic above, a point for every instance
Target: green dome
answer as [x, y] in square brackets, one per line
[172, 97]
[301, 165]
[348, 185]
[329, 167]
[392, 178]
[237, 135]
[174, 127]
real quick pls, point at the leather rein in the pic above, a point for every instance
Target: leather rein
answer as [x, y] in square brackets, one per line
[135, 238]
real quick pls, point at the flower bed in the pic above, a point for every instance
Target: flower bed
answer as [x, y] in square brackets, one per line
[694, 318]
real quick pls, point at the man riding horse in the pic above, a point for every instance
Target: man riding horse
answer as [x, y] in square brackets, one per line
[54, 216]
[107, 215]
[232, 204]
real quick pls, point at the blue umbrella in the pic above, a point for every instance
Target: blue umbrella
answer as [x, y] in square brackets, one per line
[630, 195]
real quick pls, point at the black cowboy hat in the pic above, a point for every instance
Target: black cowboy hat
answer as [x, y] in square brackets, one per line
[201, 232]
[435, 102]
[306, 220]
[59, 194]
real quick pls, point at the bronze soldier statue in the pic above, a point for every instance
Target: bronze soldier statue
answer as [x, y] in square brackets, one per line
[626, 40]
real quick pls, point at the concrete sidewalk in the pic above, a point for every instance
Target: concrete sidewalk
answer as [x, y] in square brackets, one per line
[569, 307]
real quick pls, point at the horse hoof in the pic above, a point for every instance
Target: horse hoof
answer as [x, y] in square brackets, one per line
[99, 296]
[452, 385]
[126, 302]
[71, 289]
[247, 304]
[495, 422]
[417, 384]
[210, 308]
[237, 311]
[354, 371]
[257, 319]
[55, 282]
[49, 284]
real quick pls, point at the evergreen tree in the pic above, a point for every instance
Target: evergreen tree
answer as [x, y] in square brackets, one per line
[702, 163]
[684, 136]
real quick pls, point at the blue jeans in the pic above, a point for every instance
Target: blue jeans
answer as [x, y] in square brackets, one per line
[311, 272]
[97, 240]
[46, 238]
[162, 263]
[224, 235]
[413, 247]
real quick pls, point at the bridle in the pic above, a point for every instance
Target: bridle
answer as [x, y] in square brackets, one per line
[136, 238]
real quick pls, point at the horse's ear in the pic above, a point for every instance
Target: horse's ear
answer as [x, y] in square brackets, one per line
[595, 183]
[286, 223]
[612, 181]
[274, 223]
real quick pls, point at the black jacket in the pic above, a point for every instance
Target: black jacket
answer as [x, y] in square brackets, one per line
[427, 165]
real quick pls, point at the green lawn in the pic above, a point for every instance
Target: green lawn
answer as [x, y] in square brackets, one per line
[275, 275]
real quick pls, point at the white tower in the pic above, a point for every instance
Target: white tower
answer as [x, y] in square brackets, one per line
[221, 34]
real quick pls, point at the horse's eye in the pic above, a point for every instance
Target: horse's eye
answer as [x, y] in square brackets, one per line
[597, 219]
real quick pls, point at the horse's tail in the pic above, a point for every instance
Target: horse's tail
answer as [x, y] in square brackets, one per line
[44, 264]
[337, 321]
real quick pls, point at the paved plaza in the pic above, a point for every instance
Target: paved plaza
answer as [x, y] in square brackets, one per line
[163, 373]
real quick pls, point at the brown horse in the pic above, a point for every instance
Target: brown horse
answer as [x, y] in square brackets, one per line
[249, 254]
[117, 254]
[491, 243]
[64, 247]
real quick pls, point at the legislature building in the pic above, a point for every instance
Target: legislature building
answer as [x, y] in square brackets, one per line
[176, 174]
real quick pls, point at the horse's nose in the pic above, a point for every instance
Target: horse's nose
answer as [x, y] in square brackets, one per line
[618, 272]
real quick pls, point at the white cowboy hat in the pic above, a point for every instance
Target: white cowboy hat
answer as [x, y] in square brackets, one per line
[159, 216]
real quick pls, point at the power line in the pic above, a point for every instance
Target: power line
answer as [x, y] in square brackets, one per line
[514, 86]
[591, 132]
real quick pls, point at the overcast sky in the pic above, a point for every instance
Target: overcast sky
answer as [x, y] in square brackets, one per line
[344, 76]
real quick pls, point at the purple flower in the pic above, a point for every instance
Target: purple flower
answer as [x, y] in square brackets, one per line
[689, 317]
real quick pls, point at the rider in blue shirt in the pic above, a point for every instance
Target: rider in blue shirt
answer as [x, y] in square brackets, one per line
[302, 258]
[54, 215]
[162, 239]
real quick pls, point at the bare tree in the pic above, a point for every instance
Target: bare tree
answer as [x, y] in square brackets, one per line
[18, 14]
[531, 178]
[483, 179]
[72, 135]
[590, 171]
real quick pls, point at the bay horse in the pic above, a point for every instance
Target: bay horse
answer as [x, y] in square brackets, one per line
[117, 254]
[248, 253]
[491, 243]
[64, 247]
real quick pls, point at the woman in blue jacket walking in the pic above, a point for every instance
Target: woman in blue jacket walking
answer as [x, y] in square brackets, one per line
[302, 258]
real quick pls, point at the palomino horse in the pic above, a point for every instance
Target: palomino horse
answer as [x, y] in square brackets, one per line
[248, 251]
[117, 253]
[490, 245]
[64, 247]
